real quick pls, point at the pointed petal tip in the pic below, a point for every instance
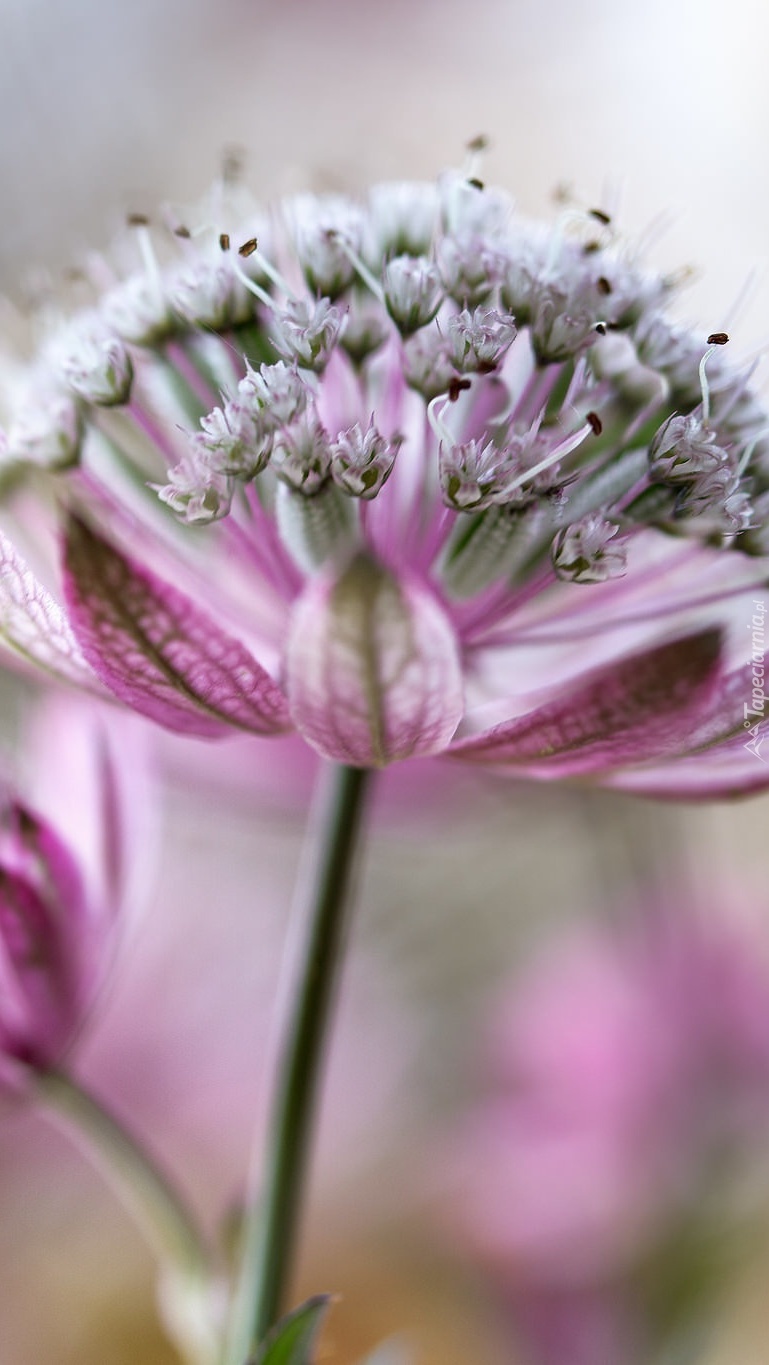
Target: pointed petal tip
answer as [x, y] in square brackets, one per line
[638, 708]
[373, 669]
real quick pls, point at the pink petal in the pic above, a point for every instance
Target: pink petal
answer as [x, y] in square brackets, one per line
[373, 668]
[731, 770]
[724, 754]
[158, 651]
[642, 707]
[44, 940]
[34, 625]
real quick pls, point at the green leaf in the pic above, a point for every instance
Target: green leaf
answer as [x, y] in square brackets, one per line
[291, 1340]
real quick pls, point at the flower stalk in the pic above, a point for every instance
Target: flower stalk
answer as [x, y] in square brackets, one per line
[190, 1279]
[272, 1221]
[146, 1191]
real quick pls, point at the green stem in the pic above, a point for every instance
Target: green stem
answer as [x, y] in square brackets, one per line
[144, 1189]
[271, 1227]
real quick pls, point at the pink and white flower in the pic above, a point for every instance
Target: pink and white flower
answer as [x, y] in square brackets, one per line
[440, 481]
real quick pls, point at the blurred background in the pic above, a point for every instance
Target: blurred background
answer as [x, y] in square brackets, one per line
[109, 109]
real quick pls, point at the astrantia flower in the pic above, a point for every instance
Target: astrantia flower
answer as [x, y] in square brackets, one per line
[412, 476]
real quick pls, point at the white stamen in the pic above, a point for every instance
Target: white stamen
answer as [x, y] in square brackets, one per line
[704, 386]
[436, 421]
[149, 259]
[565, 447]
[476, 151]
[271, 273]
[253, 287]
[747, 454]
[362, 269]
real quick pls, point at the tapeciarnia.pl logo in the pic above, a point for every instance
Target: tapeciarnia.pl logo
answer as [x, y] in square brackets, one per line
[754, 710]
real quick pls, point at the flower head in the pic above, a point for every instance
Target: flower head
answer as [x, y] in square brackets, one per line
[445, 445]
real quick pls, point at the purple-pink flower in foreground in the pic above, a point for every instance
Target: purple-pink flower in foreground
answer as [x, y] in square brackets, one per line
[61, 886]
[411, 476]
[609, 1174]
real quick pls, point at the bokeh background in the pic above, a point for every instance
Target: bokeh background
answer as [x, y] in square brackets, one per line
[106, 109]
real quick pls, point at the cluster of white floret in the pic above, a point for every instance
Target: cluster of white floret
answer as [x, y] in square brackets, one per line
[561, 409]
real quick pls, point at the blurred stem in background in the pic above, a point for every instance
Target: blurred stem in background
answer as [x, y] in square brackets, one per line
[322, 899]
[190, 1274]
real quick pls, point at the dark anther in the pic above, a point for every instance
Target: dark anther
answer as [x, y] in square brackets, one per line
[590, 248]
[137, 220]
[595, 422]
[601, 329]
[718, 338]
[601, 216]
[456, 387]
[248, 248]
[182, 231]
[224, 241]
[602, 285]
[478, 144]
[476, 183]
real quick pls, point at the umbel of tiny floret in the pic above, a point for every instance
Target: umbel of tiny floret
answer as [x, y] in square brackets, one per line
[411, 475]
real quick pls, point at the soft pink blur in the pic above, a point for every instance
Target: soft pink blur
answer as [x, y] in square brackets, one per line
[628, 1086]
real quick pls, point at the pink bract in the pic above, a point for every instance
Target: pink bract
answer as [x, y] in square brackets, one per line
[63, 883]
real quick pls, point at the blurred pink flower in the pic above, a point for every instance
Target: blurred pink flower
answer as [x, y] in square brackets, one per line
[62, 886]
[448, 482]
[629, 1105]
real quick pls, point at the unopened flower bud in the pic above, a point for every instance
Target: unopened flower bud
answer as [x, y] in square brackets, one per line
[278, 389]
[413, 292]
[236, 439]
[48, 432]
[98, 369]
[427, 364]
[207, 293]
[301, 454]
[362, 461]
[469, 269]
[519, 281]
[404, 217]
[683, 449]
[367, 327]
[470, 209]
[325, 231]
[588, 552]
[197, 493]
[475, 476]
[479, 340]
[564, 323]
[138, 311]
[307, 332]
